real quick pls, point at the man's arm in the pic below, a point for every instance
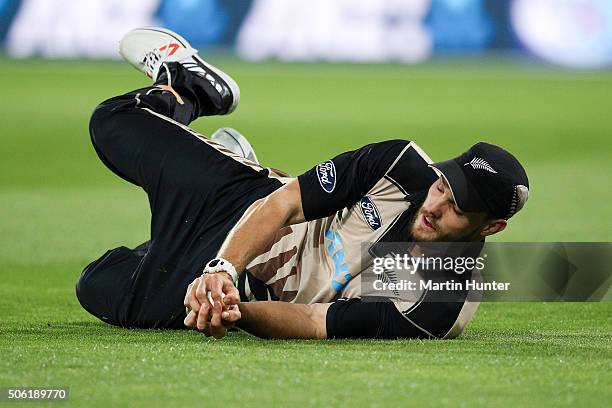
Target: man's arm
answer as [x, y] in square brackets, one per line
[282, 320]
[259, 224]
[248, 238]
[344, 318]
[318, 193]
[350, 174]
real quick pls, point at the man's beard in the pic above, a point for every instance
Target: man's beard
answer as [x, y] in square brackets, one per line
[415, 235]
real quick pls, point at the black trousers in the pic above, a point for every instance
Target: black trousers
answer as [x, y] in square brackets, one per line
[197, 192]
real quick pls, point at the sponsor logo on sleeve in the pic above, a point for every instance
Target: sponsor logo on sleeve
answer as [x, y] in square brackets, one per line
[370, 213]
[326, 172]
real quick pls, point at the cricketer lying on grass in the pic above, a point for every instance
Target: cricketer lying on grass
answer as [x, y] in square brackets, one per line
[236, 244]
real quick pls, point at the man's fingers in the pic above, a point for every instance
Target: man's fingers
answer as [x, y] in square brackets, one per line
[232, 297]
[202, 298]
[209, 298]
[190, 301]
[216, 293]
[186, 300]
[216, 288]
[190, 320]
[202, 290]
[194, 303]
[231, 315]
[203, 316]
[218, 332]
[206, 331]
[217, 309]
[231, 300]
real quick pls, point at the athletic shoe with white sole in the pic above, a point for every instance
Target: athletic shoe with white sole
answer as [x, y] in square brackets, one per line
[147, 49]
[235, 142]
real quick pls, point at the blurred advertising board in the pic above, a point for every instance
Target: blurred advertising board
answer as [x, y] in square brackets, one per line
[573, 33]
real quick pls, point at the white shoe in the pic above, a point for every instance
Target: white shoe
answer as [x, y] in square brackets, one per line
[147, 49]
[235, 142]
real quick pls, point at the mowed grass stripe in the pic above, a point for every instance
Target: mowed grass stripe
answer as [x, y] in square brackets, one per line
[60, 208]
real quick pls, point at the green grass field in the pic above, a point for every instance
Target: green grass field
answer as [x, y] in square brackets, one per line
[60, 208]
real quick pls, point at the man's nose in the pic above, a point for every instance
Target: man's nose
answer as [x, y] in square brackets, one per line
[434, 207]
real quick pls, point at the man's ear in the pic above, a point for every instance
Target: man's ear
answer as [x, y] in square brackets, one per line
[493, 227]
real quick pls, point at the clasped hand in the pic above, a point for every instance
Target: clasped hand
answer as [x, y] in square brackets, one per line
[211, 302]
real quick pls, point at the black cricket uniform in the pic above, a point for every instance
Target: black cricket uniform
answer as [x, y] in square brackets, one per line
[197, 193]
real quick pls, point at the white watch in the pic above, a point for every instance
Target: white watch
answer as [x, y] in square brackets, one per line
[221, 265]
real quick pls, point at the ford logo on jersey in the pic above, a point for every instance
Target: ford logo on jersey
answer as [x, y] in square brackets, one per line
[370, 213]
[326, 172]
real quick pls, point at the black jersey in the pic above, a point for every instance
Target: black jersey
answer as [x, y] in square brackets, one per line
[350, 202]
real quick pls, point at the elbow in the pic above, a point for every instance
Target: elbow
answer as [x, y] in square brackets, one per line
[285, 204]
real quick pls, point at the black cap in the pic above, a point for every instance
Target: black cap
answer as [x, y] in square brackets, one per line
[486, 178]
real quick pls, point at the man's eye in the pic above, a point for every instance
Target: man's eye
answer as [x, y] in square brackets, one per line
[440, 187]
[458, 211]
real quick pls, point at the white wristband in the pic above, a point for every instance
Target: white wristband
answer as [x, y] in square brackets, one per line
[221, 265]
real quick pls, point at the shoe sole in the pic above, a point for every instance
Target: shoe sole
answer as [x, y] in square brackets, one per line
[233, 86]
[240, 140]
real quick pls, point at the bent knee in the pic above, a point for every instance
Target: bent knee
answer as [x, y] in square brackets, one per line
[92, 299]
[103, 287]
[100, 128]
[108, 289]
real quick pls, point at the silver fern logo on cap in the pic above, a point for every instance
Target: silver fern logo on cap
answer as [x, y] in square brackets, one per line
[480, 164]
